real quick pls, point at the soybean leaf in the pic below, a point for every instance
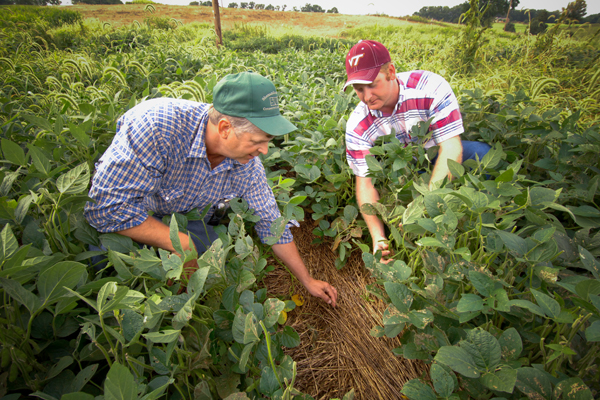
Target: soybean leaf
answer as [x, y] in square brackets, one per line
[13, 153]
[534, 308]
[185, 313]
[119, 384]
[442, 380]
[133, 323]
[197, 280]
[8, 243]
[75, 181]
[534, 383]
[511, 344]
[83, 377]
[485, 348]
[592, 333]
[53, 280]
[268, 381]
[502, 380]
[470, 302]
[166, 336]
[420, 318]
[417, 390]
[174, 236]
[589, 262]
[77, 396]
[23, 208]
[272, 309]
[400, 296]
[573, 389]
[550, 306]
[459, 360]
[456, 169]
[587, 287]
[513, 242]
[40, 161]
[250, 329]
[289, 337]
[20, 294]
[483, 283]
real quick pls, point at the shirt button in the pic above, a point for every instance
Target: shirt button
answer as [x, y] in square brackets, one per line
[166, 198]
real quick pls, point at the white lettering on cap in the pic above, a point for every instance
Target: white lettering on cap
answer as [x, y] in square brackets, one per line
[354, 60]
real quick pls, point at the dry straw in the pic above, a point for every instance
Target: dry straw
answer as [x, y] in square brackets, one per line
[337, 353]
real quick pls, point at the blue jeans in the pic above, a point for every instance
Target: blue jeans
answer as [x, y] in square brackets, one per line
[201, 237]
[471, 150]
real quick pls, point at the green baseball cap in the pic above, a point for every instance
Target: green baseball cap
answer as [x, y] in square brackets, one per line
[254, 97]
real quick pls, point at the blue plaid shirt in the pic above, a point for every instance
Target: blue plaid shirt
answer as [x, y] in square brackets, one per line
[157, 161]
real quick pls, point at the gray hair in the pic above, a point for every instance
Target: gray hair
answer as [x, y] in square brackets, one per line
[239, 124]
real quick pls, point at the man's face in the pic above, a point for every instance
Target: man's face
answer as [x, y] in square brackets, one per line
[379, 94]
[243, 147]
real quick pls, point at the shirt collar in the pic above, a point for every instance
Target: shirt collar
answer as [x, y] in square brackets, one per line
[198, 149]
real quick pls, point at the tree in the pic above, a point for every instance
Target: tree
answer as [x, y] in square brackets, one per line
[312, 8]
[576, 10]
[232, 5]
[538, 24]
[251, 5]
[496, 8]
[334, 10]
[243, 5]
[270, 7]
[32, 2]
[283, 7]
[259, 7]
[100, 2]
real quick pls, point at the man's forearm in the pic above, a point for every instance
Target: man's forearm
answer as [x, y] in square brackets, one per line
[288, 253]
[367, 194]
[450, 149]
[154, 233]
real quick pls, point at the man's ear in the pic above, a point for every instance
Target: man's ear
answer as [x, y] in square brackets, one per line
[391, 72]
[224, 128]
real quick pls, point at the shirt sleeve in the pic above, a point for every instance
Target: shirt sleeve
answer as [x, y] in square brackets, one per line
[357, 145]
[447, 121]
[130, 170]
[260, 197]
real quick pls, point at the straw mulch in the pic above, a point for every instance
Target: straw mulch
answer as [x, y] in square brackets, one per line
[337, 353]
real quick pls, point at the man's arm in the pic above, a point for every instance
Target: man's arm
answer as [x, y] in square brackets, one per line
[154, 233]
[450, 149]
[366, 193]
[288, 253]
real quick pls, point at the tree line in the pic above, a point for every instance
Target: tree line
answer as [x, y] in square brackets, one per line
[575, 12]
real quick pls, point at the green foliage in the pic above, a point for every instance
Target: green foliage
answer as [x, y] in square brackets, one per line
[495, 274]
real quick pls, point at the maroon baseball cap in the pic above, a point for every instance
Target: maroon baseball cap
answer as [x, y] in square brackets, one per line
[364, 61]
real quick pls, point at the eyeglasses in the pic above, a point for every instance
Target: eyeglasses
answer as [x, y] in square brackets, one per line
[220, 211]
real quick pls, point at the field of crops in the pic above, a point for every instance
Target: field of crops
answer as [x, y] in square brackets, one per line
[495, 282]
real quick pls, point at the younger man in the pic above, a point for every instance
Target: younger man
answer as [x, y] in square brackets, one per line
[397, 102]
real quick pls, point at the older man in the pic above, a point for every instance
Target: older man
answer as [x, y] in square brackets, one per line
[173, 155]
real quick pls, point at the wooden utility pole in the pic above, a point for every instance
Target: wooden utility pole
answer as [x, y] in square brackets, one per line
[217, 22]
[508, 15]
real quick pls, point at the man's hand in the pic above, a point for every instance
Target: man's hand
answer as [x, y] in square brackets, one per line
[380, 243]
[322, 290]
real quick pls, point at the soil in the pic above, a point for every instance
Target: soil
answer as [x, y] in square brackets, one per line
[337, 352]
[311, 23]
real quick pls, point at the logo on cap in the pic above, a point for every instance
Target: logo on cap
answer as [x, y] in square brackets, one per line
[354, 60]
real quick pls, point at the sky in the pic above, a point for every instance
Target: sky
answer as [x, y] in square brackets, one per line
[394, 8]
